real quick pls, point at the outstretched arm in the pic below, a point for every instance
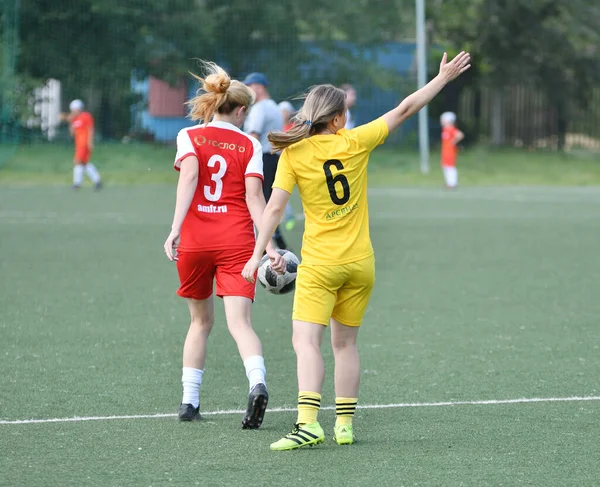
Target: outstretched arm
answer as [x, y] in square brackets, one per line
[413, 103]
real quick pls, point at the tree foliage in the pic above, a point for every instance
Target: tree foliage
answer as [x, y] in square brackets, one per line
[93, 46]
[551, 45]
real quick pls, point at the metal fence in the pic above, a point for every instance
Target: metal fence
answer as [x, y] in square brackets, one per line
[69, 50]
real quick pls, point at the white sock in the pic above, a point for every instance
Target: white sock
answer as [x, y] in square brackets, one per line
[191, 379]
[77, 174]
[255, 370]
[92, 173]
[451, 176]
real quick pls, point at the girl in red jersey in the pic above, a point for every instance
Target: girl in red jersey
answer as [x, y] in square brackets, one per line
[219, 200]
[81, 126]
[451, 136]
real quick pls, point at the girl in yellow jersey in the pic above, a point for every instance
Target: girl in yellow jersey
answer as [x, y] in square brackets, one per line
[329, 165]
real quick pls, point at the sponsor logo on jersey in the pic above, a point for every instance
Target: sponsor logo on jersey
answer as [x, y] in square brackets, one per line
[202, 140]
[212, 209]
[341, 212]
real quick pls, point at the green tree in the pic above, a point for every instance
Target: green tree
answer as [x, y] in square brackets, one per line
[550, 44]
[93, 46]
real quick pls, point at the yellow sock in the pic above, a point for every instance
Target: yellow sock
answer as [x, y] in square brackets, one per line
[308, 407]
[344, 410]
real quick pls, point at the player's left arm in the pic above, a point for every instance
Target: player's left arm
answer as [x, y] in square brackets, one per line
[91, 137]
[186, 187]
[269, 221]
[458, 136]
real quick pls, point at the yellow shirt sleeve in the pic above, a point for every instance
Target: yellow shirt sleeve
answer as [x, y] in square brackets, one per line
[285, 178]
[371, 134]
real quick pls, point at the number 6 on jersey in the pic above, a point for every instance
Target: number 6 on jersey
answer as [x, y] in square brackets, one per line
[216, 177]
[340, 178]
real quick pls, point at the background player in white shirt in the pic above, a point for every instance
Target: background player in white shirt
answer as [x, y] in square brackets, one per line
[265, 117]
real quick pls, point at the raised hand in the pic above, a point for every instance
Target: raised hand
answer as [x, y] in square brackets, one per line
[453, 69]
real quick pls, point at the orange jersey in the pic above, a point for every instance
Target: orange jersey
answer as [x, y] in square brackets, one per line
[81, 125]
[449, 148]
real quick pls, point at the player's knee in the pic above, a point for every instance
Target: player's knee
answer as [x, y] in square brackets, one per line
[239, 326]
[343, 345]
[341, 342]
[302, 343]
[202, 323]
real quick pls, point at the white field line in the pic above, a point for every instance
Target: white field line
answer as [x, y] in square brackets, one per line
[485, 402]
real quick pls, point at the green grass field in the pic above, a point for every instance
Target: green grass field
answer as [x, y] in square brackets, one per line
[485, 294]
[126, 164]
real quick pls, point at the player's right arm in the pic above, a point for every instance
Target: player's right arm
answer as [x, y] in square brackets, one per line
[91, 138]
[285, 180]
[186, 187]
[269, 221]
[256, 203]
[413, 103]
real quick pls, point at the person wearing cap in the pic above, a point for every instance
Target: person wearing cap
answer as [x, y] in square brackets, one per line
[287, 111]
[82, 130]
[350, 101]
[451, 136]
[265, 117]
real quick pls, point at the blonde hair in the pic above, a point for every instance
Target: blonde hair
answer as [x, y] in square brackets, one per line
[218, 94]
[321, 105]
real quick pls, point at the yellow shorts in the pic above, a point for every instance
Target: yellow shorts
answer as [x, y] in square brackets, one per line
[340, 292]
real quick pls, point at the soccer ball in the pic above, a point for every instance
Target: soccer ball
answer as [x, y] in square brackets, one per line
[274, 282]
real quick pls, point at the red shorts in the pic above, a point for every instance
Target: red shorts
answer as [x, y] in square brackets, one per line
[198, 270]
[82, 155]
[449, 161]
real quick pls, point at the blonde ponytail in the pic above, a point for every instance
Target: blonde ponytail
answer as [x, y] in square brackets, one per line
[321, 105]
[218, 94]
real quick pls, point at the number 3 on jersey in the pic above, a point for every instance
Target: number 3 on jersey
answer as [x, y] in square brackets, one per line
[332, 180]
[217, 178]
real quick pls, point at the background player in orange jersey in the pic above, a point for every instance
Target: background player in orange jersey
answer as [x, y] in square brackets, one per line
[451, 136]
[82, 129]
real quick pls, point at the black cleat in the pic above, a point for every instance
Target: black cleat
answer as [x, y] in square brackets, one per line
[98, 186]
[187, 412]
[257, 405]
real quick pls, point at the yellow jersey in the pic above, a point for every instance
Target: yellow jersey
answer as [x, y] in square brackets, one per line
[331, 174]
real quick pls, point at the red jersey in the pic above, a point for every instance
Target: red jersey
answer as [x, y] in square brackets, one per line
[82, 124]
[218, 217]
[449, 148]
